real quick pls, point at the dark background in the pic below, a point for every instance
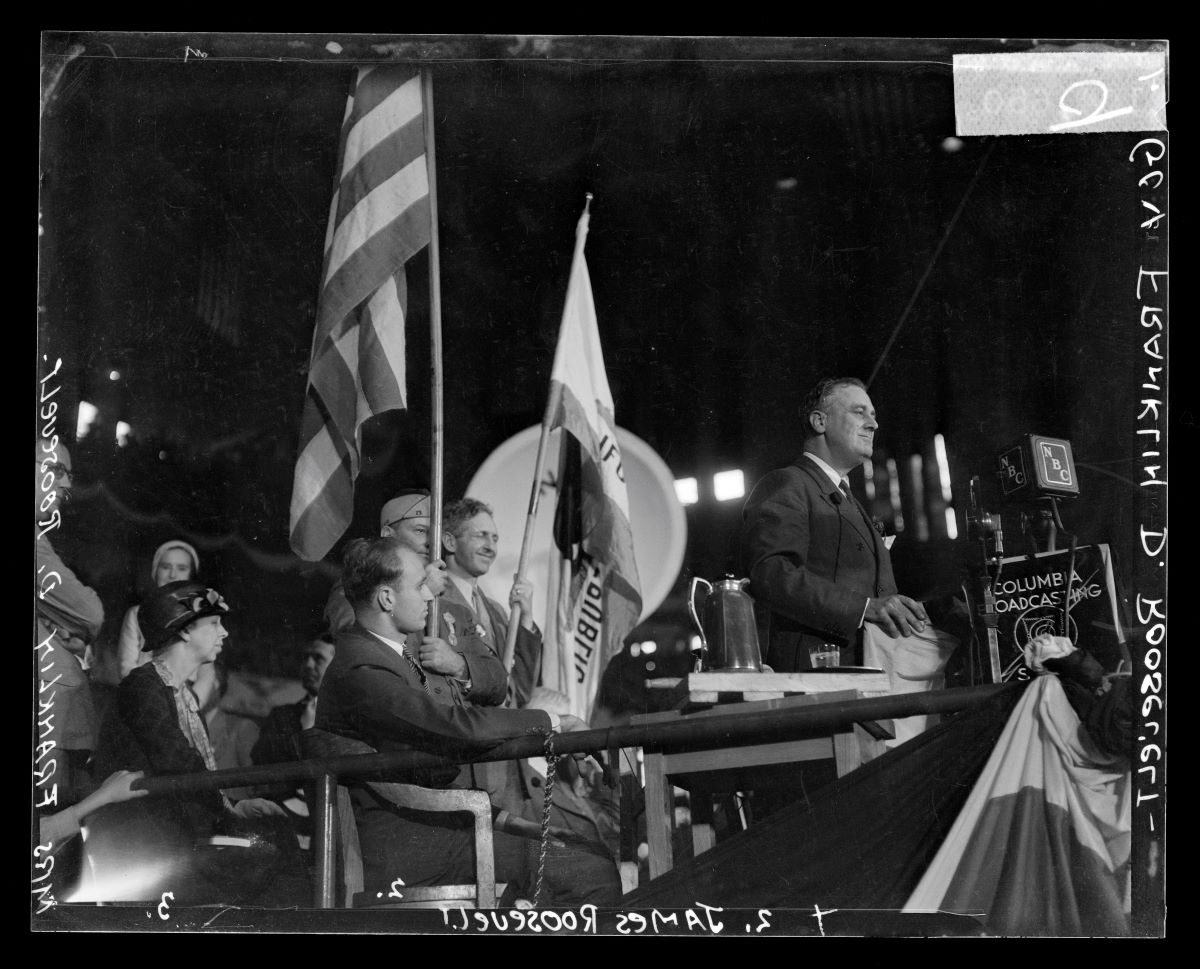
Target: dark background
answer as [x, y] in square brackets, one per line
[763, 214]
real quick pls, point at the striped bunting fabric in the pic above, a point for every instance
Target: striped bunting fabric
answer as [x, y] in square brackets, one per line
[1042, 845]
[379, 218]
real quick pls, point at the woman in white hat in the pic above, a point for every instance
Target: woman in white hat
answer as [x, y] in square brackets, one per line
[173, 561]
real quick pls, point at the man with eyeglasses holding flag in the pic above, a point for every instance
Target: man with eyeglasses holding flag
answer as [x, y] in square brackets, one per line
[471, 543]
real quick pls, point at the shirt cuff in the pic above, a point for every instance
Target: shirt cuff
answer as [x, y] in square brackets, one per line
[863, 618]
[555, 721]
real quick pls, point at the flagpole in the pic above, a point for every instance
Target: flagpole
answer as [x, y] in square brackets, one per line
[552, 402]
[435, 342]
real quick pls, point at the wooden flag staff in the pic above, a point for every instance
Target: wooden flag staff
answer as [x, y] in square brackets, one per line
[539, 469]
[435, 343]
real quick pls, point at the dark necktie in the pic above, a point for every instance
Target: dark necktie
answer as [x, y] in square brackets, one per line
[407, 652]
[844, 485]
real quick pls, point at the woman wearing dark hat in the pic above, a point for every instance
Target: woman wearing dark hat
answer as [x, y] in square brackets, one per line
[155, 726]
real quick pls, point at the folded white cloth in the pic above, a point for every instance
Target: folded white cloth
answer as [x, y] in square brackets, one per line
[915, 664]
[1044, 647]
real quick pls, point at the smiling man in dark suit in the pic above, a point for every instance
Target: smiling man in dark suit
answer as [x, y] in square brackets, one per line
[819, 570]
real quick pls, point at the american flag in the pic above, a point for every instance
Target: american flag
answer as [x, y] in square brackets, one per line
[379, 218]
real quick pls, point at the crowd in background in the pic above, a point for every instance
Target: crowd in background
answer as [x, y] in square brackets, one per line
[168, 714]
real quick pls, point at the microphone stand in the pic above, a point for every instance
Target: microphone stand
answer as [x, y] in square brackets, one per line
[981, 526]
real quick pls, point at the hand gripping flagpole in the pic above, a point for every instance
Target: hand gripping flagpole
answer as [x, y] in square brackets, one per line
[552, 402]
[435, 344]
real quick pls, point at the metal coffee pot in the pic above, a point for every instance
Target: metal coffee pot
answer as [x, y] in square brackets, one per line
[728, 634]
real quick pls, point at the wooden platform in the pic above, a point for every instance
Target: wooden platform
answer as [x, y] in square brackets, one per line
[700, 690]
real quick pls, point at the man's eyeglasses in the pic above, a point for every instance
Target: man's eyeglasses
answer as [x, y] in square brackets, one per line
[59, 470]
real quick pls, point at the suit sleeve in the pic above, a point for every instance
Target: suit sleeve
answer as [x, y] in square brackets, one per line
[527, 662]
[65, 602]
[389, 708]
[527, 654]
[489, 683]
[777, 554]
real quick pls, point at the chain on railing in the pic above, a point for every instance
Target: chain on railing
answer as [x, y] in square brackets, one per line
[547, 804]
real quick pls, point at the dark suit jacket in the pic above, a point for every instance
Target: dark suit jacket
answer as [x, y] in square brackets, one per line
[813, 560]
[370, 693]
[456, 623]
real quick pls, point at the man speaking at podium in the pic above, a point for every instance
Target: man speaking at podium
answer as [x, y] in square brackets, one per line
[820, 569]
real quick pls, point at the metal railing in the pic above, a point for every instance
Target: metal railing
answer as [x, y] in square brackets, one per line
[785, 723]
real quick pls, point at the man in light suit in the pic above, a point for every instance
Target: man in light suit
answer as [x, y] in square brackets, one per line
[470, 542]
[819, 569]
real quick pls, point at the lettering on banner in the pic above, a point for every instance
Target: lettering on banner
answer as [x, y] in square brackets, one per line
[610, 451]
[589, 618]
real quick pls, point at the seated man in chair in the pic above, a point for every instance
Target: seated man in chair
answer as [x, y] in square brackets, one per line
[378, 692]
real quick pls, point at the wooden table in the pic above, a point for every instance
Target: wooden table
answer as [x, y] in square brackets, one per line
[848, 749]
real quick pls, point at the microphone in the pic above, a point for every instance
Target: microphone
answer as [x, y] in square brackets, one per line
[836, 496]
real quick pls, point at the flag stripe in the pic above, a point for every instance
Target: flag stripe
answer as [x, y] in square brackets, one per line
[379, 85]
[376, 210]
[379, 217]
[372, 124]
[386, 337]
[322, 455]
[367, 269]
[401, 149]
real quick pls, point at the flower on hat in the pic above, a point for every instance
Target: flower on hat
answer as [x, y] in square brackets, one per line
[211, 598]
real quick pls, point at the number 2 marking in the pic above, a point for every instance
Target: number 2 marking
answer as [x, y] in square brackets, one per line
[1098, 113]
